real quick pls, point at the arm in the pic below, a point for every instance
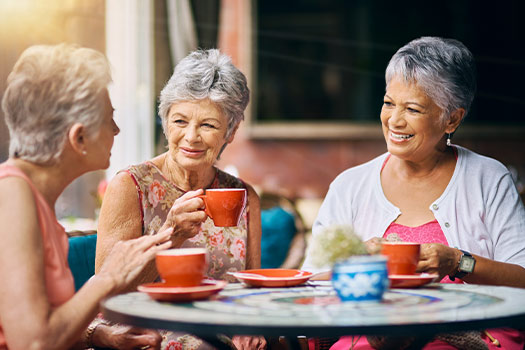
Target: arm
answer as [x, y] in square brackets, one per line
[24, 289]
[120, 220]
[443, 260]
[253, 249]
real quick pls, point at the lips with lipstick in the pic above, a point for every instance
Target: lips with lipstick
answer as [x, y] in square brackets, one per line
[400, 137]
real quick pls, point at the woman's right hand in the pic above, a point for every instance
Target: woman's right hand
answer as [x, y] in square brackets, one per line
[373, 245]
[127, 258]
[185, 217]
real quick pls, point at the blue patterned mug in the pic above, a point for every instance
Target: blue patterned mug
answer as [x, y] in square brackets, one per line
[361, 278]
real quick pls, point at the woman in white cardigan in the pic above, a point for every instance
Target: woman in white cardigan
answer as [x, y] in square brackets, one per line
[462, 207]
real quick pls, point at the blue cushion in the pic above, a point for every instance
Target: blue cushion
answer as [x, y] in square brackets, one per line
[81, 258]
[278, 229]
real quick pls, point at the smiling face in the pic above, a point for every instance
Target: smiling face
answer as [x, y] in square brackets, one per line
[412, 124]
[196, 133]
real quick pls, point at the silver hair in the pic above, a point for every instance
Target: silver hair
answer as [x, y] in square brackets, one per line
[443, 68]
[207, 74]
[49, 89]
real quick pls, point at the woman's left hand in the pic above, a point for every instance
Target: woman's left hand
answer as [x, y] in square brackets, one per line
[437, 258]
[244, 342]
[126, 337]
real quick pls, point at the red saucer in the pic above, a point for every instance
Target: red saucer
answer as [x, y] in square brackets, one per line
[411, 281]
[272, 277]
[163, 292]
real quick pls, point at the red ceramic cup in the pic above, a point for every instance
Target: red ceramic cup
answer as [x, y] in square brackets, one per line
[402, 257]
[225, 205]
[183, 267]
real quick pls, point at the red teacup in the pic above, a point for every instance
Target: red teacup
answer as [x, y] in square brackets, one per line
[183, 267]
[402, 257]
[225, 205]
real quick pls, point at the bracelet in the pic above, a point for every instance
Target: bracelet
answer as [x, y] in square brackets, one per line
[90, 330]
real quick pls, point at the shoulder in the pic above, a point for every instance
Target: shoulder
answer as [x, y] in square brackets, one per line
[140, 171]
[141, 175]
[17, 197]
[122, 183]
[478, 165]
[14, 186]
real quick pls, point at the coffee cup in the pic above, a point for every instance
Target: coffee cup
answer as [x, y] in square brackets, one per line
[402, 257]
[182, 267]
[225, 205]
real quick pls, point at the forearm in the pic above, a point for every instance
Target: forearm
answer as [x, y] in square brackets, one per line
[253, 251]
[68, 323]
[487, 271]
[62, 327]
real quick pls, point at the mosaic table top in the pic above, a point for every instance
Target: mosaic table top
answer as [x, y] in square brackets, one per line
[315, 310]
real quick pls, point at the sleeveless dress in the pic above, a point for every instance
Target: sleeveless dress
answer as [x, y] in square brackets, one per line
[60, 285]
[226, 245]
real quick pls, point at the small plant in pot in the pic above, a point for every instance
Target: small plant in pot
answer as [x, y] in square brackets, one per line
[356, 275]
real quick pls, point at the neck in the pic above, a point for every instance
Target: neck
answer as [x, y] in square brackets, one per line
[187, 179]
[50, 180]
[426, 167]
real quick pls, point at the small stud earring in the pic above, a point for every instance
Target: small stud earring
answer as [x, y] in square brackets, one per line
[448, 141]
[84, 152]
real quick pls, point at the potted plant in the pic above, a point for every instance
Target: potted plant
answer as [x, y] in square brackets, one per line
[356, 275]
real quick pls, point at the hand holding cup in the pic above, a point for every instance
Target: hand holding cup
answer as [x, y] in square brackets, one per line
[185, 217]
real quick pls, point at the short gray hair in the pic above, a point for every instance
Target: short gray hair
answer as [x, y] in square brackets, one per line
[443, 68]
[50, 89]
[207, 74]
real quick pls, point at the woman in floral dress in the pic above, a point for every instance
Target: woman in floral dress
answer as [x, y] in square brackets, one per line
[201, 107]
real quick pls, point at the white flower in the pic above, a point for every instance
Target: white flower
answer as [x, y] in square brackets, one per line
[334, 244]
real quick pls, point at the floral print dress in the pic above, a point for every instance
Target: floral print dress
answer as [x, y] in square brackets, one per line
[226, 245]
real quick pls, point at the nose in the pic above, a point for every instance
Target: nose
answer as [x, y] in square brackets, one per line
[192, 133]
[116, 129]
[396, 118]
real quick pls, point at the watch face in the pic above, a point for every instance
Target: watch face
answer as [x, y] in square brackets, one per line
[467, 264]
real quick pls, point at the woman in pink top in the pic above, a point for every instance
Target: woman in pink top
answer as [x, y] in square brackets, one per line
[462, 207]
[60, 121]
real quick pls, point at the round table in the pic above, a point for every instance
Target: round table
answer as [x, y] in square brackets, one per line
[314, 310]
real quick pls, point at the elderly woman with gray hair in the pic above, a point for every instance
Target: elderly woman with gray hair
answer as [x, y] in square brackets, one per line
[201, 107]
[60, 121]
[463, 207]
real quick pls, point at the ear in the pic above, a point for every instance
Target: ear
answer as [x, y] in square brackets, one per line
[454, 120]
[77, 138]
[232, 136]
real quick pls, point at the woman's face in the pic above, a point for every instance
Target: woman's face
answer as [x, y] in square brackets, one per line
[412, 124]
[102, 140]
[196, 132]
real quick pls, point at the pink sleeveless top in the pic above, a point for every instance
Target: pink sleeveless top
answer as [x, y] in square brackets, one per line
[59, 280]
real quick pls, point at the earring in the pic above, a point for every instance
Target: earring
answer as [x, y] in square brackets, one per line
[84, 152]
[448, 141]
